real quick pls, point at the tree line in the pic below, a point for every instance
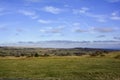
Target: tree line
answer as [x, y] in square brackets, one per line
[44, 52]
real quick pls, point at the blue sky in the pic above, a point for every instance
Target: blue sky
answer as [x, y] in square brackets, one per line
[73, 20]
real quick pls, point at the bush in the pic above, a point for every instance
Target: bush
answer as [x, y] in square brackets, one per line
[2, 55]
[106, 52]
[93, 54]
[102, 55]
[22, 54]
[36, 55]
[17, 55]
[117, 57]
[45, 55]
[79, 54]
[97, 53]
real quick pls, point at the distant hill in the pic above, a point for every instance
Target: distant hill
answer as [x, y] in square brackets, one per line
[67, 44]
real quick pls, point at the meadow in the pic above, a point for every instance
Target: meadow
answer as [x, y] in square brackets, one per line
[61, 67]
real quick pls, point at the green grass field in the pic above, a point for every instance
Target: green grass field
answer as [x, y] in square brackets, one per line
[61, 68]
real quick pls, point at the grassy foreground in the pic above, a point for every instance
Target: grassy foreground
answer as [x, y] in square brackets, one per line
[61, 68]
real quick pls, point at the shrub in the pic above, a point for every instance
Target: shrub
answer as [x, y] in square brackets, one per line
[27, 56]
[79, 54]
[102, 55]
[22, 54]
[106, 52]
[17, 55]
[2, 55]
[93, 54]
[36, 55]
[97, 53]
[117, 57]
[45, 55]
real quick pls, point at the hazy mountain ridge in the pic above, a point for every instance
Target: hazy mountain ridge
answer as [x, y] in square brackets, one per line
[110, 44]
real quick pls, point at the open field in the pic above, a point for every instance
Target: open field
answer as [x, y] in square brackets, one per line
[61, 68]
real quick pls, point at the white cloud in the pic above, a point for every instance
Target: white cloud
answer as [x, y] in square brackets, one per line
[113, 1]
[103, 29]
[101, 36]
[104, 18]
[114, 13]
[96, 30]
[1, 9]
[98, 17]
[34, 1]
[3, 27]
[48, 21]
[52, 30]
[27, 13]
[52, 9]
[117, 38]
[19, 30]
[34, 17]
[67, 6]
[115, 16]
[84, 11]
[4, 11]
[80, 30]
[32, 14]
[76, 24]
[44, 21]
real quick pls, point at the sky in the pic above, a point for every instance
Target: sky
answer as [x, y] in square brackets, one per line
[48, 20]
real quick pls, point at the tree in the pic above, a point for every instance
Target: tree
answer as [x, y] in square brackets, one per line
[36, 55]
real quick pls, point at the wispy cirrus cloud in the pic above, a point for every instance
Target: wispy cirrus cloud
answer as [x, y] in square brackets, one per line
[103, 29]
[30, 2]
[52, 30]
[45, 21]
[115, 16]
[112, 1]
[117, 38]
[76, 24]
[27, 13]
[33, 1]
[3, 28]
[80, 30]
[100, 36]
[85, 11]
[96, 30]
[31, 14]
[82, 10]
[4, 11]
[99, 17]
[51, 9]
[1, 9]
[19, 31]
